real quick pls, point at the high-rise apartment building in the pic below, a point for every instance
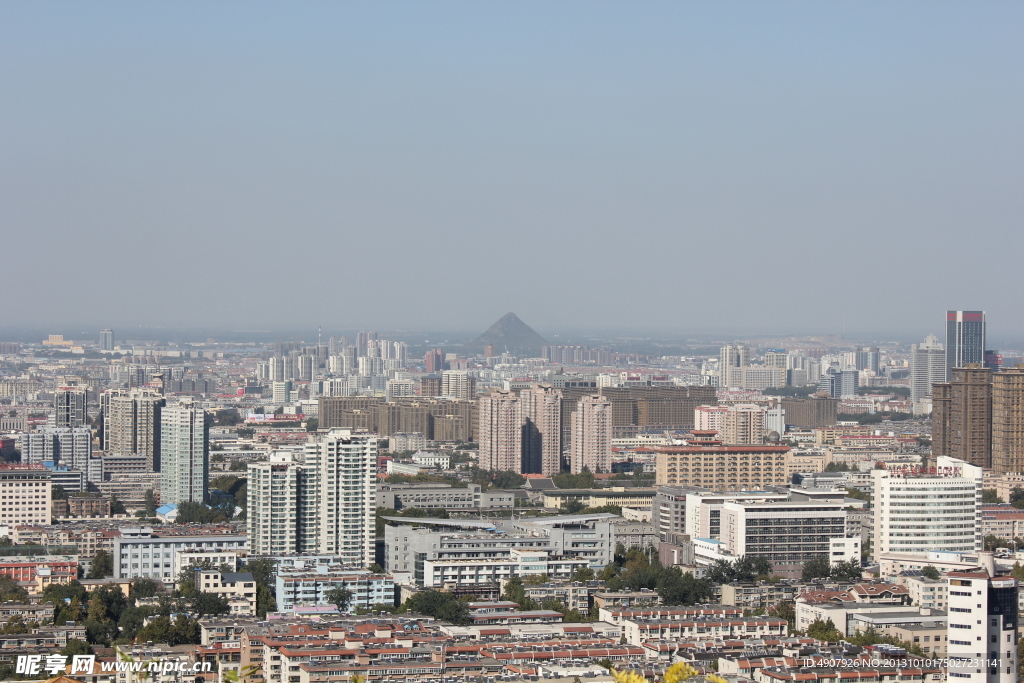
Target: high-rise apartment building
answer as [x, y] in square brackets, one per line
[107, 339]
[320, 502]
[184, 453]
[811, 413]
[962, 416]
[867, 358]
[729, 357]
[433, 361]
[500, 432]
[131, 424]
[60, 445]
[743, 425]
[26, 495]
[430, 385]
[982, 627]
[709, 418]
[344, 465]
[458, 384]
[927, 367]
[918, 510]
[965, 339]
[542, 429]
[839, 383]
[1008, 420]
[69, 407]
[591, 435]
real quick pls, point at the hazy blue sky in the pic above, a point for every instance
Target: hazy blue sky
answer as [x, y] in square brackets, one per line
[702, 166]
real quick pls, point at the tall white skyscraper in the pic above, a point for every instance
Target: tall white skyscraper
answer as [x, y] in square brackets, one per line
[591, 446]
[184, 453]
[927, 367]
[107, 339]
[322, 501]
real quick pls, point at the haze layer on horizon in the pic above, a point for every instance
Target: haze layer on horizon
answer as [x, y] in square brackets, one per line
[756, 166]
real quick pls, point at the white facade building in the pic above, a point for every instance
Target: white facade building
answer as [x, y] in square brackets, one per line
[919, 512]
[982, 628]
[184, 453]
[323, 502]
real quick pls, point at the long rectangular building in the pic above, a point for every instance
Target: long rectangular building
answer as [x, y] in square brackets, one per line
[722, 468]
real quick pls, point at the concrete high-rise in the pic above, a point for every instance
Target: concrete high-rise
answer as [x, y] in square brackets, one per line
[500, 432]
[542, 429]
[927, 367]
[321, 501]
[107, 339]
[729, 357]
[342, 504]
[184, 453]
[918, 511]
[982, 627]
[962, 416]
[131, 424]
[591, 435]
[69, 407]
[743, 425]
[60, 445]
[965, 339]
[1008, 420]
[867, 358]
[458, 384]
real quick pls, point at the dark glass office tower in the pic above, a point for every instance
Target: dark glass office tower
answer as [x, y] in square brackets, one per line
[965, 339]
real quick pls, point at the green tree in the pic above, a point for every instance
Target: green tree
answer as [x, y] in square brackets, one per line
[202, 604]
[583, 480]
[5, 542]
[312, 424]
[991, 497]
[583, 574]
[265, 600]
[145, 588]
[76, 647]
[784, 610]
[116, 506]
[15, 625]
[57, 492]
[11, 590]
[339, 597]
[872, 637]
[441, 606]
[677, 588]
[817, 568]
[824, 630]
[992, 542]
[263, 570]
[848, 570]
[931, 572]
[150, 502]
[571, 506]
[102, 565]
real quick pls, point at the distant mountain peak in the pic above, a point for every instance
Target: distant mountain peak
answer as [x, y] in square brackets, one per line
[511, 334]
